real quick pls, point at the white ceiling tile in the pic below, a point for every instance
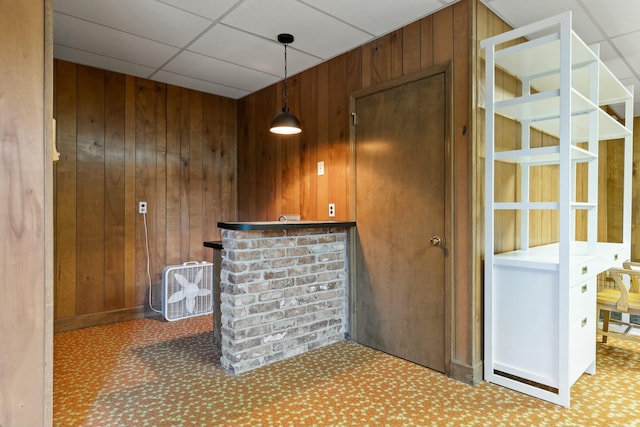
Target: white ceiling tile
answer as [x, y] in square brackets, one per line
[614, 62]
[616, 17]
[209, 9]
[244, 49]
[315, 33]
[145, 18]
[377, 16]
[98, 61]
[627, 45]
[78, 34]
[197, 84]
[216, 71]
[519, 13]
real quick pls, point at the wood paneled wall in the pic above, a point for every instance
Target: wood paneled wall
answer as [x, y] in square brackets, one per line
[123, 140]
[26, 358]
[635, 193]
[277, 175]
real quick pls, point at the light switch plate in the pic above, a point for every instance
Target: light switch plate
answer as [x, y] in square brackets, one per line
[320, 168]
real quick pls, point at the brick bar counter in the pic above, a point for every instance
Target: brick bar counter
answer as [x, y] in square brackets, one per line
[284, 289]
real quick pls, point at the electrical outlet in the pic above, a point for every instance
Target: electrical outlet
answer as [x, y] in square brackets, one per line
[332, 209]
[142, 207]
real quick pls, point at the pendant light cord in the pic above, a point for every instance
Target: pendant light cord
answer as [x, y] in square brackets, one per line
[284, 86]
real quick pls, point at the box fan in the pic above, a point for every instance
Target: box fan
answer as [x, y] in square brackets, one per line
[187, 290]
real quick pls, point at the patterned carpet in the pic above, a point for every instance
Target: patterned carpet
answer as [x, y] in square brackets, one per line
[153, 373]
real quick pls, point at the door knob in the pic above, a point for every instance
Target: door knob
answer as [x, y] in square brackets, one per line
[436, 240]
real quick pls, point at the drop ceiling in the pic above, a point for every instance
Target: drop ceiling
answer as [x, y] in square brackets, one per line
[613, 24]
[224, 47]
[229, 47]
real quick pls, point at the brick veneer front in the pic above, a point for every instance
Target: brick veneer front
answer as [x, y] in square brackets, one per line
[283, 292]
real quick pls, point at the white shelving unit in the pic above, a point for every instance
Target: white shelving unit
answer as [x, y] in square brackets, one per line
[540, 324]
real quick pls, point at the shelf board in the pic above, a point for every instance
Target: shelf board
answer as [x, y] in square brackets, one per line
[515, 206]
[583, 206]
[547, 256]
[541, 106]
[542, 110]
[608, 127]
[541, 56]
[610, 90]
[542, 155]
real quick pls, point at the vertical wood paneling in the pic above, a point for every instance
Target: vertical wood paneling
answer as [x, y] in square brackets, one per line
[173, 174]
[185, 173]
[146, 110]
[114, 191]
[25, 213]
[367, 53]
[443, 26]
[635, 193]
[465, 316]
[247, 186]
[130, 206]
[381, 59]
[397, 48]
[90, 191]
[411, 48]
[65, 205]
[128, 140]
[211, 165]
[309, 144]
[615, 188]
[195, 176]
[226, 141]
[160, 210]
[289, 176]
[426, 42]
[339, 135]
[322, 187]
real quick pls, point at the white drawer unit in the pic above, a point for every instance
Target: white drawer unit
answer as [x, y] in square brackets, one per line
[540, 301]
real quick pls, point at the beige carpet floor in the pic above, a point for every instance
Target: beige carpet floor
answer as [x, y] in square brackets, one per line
[153, 373]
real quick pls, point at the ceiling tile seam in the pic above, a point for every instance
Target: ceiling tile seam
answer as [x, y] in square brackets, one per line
[102, 55]
[122, 31]
[608, 38]
[208, 18]
[371, 35]
[245, 91]
[218, 59]
[260, 36]
[185, 49]
[197, 37]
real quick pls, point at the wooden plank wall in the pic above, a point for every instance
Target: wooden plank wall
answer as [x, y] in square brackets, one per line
[635, 193]
[25, 213]
[123, 140]
[277, 175]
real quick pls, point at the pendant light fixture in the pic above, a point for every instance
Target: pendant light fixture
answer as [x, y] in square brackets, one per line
[285, 122]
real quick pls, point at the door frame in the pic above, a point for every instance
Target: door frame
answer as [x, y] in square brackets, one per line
[449, 272]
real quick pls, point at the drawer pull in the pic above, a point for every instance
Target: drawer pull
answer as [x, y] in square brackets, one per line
[584, 322]
[615, 257]
[584, 288]
[584, 270]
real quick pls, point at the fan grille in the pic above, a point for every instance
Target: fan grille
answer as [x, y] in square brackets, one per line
[187, 290]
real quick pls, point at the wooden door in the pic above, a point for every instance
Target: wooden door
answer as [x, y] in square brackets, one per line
[401, 185]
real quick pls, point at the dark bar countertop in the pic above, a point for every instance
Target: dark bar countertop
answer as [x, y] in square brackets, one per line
[283, 225]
